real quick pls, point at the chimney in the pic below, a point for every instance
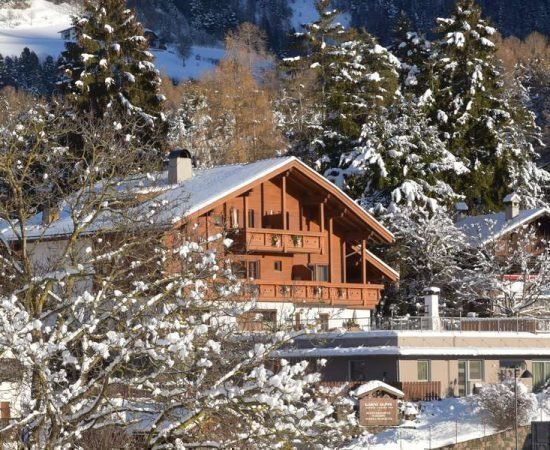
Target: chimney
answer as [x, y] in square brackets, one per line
[511, 203]
[50, 213]
[461, 211]
[431, 307]
[180, 166]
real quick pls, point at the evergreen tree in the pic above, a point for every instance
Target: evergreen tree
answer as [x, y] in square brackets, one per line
[348, 78]
[473, 116]
[109, 68]
[399, 161]
[29, 70]
[413, 51]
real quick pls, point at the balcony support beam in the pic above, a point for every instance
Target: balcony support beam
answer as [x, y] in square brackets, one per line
[283, 203]
[330, 250]
[363, 261]
[344, 263]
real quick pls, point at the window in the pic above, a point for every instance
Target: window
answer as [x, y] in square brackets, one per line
[358, 370]
[541, 373]
[321, 273]
[476, 370]
[246, 269]
[251, 216]
[469, 372]
[253, 270]
[508, 368]
[234, 218]
[298, 322]
[423, 369]
[278, 266]
[323, 321]
[258, 320]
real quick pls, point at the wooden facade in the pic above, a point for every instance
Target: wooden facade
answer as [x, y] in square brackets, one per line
[299, 239]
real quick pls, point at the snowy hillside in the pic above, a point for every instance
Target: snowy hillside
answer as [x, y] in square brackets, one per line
[38, 29]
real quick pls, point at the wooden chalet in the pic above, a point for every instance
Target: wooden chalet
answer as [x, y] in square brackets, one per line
[299, 241]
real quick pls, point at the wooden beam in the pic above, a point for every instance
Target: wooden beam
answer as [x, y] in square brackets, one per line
[344, 262]
[262, 205]
[283, 203]
[330, 252]
[322, 225]
[245, 211]
[363, 261]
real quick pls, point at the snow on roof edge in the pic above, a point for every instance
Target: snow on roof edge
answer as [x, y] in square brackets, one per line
[374, 385]
[536, 213]
[383, 263]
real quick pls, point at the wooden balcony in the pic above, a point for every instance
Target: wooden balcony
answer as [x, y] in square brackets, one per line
[345, 295]
[282, 241]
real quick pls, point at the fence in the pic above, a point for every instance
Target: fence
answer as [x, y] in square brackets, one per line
[414, 390]
[499, 324]
[419, 390]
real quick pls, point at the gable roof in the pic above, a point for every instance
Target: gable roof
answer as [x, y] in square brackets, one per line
[480, 230]
[197, 195]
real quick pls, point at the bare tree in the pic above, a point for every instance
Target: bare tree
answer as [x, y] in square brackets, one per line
[510, 274]
[120, 317]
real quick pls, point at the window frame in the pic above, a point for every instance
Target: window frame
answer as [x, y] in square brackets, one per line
[428, 369]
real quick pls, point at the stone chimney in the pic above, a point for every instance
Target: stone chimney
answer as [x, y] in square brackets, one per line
[180, 166]
[461, 211]
[511, 203]
[431, 307]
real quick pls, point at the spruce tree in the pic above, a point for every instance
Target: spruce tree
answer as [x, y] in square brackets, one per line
[474, 118]
[349, 78]
[398, 162]
[413, 51]
[109, 70]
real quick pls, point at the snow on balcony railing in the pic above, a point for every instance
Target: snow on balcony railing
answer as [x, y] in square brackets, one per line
[498, 324]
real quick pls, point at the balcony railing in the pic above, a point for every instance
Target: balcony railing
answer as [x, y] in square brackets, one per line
[498, 324]
[361, 296]
[282, 241]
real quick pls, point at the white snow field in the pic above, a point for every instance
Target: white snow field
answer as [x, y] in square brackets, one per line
[439, 423]
[38, 29]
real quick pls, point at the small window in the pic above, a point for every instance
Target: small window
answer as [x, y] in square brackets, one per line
[321, 273]
[217, 220]
[278, 266]
[423, 369]
[323, 321]
[251, 217]
[298, 322]
[234, 218]
[476, 370]
[253, 270]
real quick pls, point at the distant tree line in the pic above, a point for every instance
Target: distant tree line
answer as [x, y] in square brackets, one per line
[28, 73]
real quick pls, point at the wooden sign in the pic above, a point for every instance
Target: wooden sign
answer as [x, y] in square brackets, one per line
[376, 412]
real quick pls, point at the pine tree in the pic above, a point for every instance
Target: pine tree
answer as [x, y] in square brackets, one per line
[471, 111]
[109, 69]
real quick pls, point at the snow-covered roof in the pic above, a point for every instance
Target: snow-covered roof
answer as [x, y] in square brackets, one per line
[461, 206]
[387, 270]
[376, 385]
[513, 197]
[484, 228]
[171, 203]
[317, 352]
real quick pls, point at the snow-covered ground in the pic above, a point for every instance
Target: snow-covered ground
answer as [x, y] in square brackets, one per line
[38, 29]
[439, 423]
